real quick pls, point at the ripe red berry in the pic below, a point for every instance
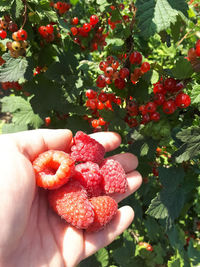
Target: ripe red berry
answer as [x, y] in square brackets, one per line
[109, 59]
[103, 97]
[101, 81]
[170, 84]
[169, 107]
[86, 27]
[91, 94]
[74, 30]
[12, 27]
[75, 21]
[135, 58]
[159, 99]
[146, 245]
[43, 31]
[198, 48]
[22, 34]
[49, 28]
[94, 20]
[192, 54]
[47, 121]
[3, 34]
[101, 121]
[103, 65]
[120, 83]
[182, 100]
[150, 107]
[145, 67]
[155, 116]
[124, 73]
[53, 169]
[95, 123]
[159, 88]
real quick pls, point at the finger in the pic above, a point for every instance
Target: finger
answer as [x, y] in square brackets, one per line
[121, 221]
[31, 143]
[109, 140]
[128, 161]
[134, 182]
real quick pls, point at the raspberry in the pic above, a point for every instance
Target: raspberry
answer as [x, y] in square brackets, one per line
[114, 177]
[72, 204]
[88, 174]
[87, 149]
[53, 169]
[104, 208]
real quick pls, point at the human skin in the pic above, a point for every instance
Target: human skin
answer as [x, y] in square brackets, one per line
[31, 234]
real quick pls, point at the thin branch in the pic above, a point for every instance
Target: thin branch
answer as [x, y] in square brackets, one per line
[25, 13]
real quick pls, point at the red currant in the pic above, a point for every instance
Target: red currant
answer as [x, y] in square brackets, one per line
[75, 21]
[103, 65]
[170, 84]
[169, 107]
[95, 123]
[155, 116]
[135, 58]
[74, 31]
[94, 20]
[3, 34]
[49, 28]
[120, 83]
[22, 34]
[198, 48]
[159, 98]
[103, 97]
[192, 54]
[124, 73]
[182, 100]
[145, 67]
[86, 27]
[101, 81]
[150, 107]
[91, 94]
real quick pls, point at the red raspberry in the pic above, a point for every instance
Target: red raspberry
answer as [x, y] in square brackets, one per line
[88, 174]
[86, 149]
[53, 169]
[72, 204]
[104, 208]
[114, 177]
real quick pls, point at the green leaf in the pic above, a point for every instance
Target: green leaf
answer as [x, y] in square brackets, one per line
[195, 94]
[102, 256]
[191, 144]
[17, 8]
[193, 254]
[13, 128]
[155, 16]
[171, 177]
[13, 69]
[22, 112]
[183, 69]
[167, 204]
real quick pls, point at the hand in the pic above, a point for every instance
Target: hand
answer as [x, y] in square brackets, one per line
[31, 234]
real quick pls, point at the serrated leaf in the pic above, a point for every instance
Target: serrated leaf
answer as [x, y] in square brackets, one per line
[156, 16]
[195, 94]
[191, 144]
[171, 177]
[13, 69]
[183, 69]
[22, 112]
[167, 204]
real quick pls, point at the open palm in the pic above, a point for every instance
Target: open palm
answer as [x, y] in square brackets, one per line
[31, 234]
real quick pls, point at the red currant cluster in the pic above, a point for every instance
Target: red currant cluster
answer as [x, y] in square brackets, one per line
[62, 7]
[168, 94]
[81, 32]
[99, 101]
[7, 24]
[11, 85]
[120, 76]
[47, 32]
[19, 45]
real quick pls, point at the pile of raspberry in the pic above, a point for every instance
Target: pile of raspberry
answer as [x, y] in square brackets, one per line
[81, 183]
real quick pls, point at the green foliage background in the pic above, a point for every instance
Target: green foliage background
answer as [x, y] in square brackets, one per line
[167, 207]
